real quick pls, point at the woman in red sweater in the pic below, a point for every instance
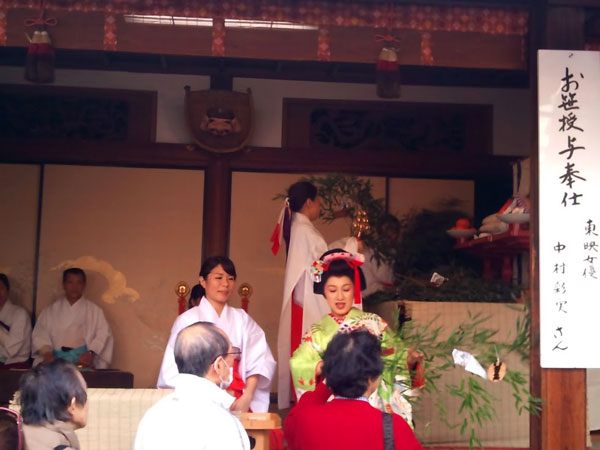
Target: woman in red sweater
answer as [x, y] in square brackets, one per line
[351, 366]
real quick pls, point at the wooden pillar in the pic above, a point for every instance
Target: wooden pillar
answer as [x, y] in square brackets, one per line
[562, 424]
[217, 207]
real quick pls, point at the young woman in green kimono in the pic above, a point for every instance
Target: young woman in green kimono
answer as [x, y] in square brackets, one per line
[337, 276]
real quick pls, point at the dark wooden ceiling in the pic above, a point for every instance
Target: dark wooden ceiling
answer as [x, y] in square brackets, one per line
[270, 69]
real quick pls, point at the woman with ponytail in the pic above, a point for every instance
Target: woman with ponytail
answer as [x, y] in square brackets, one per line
[301, 307]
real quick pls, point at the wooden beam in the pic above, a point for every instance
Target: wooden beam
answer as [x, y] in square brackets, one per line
[281, 70]
[565, 28]
[259, 159]
[217, 207]
[562, 424]
[128, 154]
[390, 163]
[221, 81]
[538, 25]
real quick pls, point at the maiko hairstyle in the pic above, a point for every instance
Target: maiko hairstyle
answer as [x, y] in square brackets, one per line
[350, 361]
[74, 271]
[197, 346]
[4, 280]
[338, 268]
[299, 192]
[212, 262]
[47, 391]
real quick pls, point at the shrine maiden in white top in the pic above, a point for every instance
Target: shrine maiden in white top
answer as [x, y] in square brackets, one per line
[256, 364]
[305, 246]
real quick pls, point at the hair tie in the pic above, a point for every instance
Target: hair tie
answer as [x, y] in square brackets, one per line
[279, 231]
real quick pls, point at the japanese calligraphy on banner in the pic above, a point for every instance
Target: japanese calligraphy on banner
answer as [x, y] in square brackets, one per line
[569, 208]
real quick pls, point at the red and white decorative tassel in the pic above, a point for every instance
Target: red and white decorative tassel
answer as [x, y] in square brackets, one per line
[3, 13]
[110, 32]
[426, 50]
[39, 63]
[218, 36]
[324, 45]
[387, 75]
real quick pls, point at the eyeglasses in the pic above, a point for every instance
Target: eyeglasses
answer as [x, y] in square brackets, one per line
[18, 420]
[237, 352]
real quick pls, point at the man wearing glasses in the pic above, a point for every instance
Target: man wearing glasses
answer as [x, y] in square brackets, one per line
[196, 415]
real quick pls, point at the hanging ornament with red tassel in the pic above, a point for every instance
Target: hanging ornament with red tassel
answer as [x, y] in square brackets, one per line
[388, 76]
[39, 65]
[182, 290]
[245, 291]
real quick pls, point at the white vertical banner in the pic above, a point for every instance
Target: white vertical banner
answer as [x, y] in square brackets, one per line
[569, 208]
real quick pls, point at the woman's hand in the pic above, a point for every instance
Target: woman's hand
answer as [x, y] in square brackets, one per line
[319, 369]
[242, 404]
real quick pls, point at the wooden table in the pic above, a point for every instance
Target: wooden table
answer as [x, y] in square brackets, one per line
[259, 426]
[9, 381]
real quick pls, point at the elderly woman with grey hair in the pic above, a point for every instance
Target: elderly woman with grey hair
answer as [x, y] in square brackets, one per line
[53, 405]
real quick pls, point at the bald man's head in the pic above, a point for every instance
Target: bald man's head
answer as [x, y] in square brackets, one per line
[197, 346]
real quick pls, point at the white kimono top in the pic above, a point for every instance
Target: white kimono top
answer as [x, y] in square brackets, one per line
[62, 325]
[306, 245]
[377, 274]
[194, 417]
[243, 332]
[15, 333]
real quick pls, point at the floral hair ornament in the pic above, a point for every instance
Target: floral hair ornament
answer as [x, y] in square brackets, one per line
[317, 268]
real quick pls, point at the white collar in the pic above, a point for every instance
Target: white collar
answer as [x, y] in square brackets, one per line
[192, 387]
[6, 306]
[208, 310]
[80, 301]
[299, 217]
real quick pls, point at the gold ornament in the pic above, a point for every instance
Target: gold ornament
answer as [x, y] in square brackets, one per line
[360, 223]
[182, 289]
[245, 290]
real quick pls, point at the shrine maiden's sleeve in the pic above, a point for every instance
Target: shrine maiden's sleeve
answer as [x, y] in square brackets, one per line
[257, 359]
[306, 357]
[17, 345]
[98, 338]
[306, 245]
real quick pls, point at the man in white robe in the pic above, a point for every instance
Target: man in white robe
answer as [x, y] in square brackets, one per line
[15, 329]
[244, 333]
[73, 328]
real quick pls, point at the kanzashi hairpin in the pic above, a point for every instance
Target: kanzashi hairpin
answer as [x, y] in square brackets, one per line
[316, 270]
